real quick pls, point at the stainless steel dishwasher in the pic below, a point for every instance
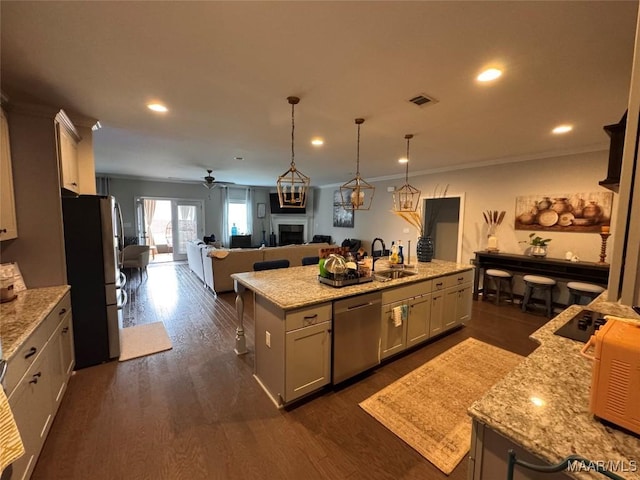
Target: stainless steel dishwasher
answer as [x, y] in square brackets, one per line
[356, 335]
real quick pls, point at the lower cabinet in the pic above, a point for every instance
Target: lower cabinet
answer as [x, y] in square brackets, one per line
[398, 335]
[418, 323]
[293, 349]
[35, 397]
[308, 360]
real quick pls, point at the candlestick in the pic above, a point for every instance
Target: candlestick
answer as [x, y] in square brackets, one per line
[604, 229]
[603, 248]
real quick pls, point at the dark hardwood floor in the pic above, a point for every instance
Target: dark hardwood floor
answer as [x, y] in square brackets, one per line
[196, 412]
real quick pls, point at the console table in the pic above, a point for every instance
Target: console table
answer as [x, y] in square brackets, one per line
[591, 272]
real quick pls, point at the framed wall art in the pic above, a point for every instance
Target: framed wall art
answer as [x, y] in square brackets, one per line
[564, 212]
[341, 217]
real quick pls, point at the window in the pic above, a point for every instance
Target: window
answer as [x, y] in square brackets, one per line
[238, 217]
[237, 213]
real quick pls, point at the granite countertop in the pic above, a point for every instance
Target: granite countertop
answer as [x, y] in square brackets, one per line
[296, 287]
[556, 374]
[20, 317]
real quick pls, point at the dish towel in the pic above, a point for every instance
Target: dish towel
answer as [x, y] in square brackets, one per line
[399, 314]
[11, 447]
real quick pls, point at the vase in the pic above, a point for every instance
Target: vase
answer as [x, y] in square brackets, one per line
[424, 249]
[538, 251]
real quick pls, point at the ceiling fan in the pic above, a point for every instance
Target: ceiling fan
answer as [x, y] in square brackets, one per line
[210, 181]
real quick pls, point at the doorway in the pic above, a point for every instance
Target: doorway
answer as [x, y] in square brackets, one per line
[447, 230]
[167, 224]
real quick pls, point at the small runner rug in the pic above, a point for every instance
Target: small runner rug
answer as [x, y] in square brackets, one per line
[142, 340]
[427, 408]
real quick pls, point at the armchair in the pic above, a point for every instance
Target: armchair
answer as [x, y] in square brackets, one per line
[136, 256]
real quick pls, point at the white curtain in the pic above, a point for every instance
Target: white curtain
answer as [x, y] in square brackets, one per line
[226, 240]
[149, 211]
[249, 204]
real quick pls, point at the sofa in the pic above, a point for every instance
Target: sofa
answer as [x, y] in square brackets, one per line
[216, 271]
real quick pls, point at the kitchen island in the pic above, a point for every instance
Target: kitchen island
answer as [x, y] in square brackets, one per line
[295, 319]
[541, 410]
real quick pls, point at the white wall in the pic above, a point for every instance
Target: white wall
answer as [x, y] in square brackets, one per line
[484, 188]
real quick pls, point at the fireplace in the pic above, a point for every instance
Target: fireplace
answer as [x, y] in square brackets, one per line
[290, 234]
[297, 229]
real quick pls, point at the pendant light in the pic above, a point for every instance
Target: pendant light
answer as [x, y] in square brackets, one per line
[357, 194]
[293, 185]
[407, 198]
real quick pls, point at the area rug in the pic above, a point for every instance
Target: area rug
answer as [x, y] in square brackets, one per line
[427, 408]
[143, 340]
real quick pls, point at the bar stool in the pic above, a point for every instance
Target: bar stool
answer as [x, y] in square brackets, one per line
[497, 277]
[578, 290]
[535, 282]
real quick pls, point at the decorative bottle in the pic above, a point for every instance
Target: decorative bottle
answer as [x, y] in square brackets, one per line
[234, 229]
[400, 253]
[393, 255]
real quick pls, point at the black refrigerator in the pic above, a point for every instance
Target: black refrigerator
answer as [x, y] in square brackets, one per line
[93, 241]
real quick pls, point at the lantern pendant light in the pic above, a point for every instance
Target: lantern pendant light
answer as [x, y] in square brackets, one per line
[407, 198]
[293, 185]
[357, 194]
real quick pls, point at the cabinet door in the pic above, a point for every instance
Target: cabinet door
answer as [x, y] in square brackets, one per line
[418, 324]
[393, 338]
[62, 359]
[450, 307]
[436, 326]
[463, 304]
[8, 222]
[68, 152]
[308, 360]
[31, 404]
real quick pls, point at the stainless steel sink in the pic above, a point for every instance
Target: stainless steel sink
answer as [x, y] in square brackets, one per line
[385, 275]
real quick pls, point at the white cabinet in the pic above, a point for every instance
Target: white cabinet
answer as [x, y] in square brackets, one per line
[37, 376]
[397, 336]
[451, 301]
[393, 336]
[293, 349]
[8, 221]
[68, 138]
[418, 323]
[458, 297]
[308, 360]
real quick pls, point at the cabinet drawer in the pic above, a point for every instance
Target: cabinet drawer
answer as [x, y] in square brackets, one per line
[405, 292]
[33, 346]
[308, 316]
[458, 278]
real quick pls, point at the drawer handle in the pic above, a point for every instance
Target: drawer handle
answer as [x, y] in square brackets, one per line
[309, 317]
[62, 312]
[439, 284]
[65, 329]
[32, 351]
[4, 230]
[34, 377]
[460, 279]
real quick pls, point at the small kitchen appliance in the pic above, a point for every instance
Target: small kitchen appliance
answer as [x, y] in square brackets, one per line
[615, 380]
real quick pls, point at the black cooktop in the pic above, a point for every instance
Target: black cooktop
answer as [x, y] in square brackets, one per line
[582, 326]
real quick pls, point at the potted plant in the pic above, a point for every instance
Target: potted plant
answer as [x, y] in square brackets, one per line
[537, 245]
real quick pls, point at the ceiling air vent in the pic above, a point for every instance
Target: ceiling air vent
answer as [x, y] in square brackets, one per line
[422, 100]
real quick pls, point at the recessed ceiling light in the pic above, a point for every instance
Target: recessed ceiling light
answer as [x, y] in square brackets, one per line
[403, 160]
[317, 142]
[489, 75]
[562, 129]
[157, 107]
[537, 401]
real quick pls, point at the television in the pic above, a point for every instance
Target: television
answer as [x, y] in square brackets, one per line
[274, 203]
